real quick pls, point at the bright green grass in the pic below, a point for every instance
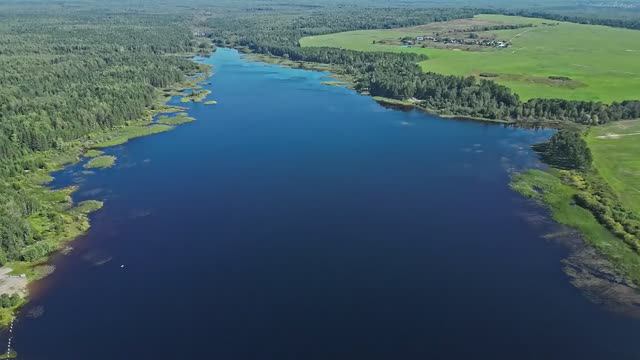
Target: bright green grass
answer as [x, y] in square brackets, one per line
[11, 355]
[88, 206]
[91, 153]
[178, 119]
[603, 62]
[127, 133]
[6, 317]
[100, 162]
[616, 155]
[548, 188]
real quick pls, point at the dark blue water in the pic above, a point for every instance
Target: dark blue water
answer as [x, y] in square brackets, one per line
[296, 220]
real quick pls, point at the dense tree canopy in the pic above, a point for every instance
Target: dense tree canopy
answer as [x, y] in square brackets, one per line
[397, 75]
[566, 149]
[64, 77]
[629, 19]
[68, 73]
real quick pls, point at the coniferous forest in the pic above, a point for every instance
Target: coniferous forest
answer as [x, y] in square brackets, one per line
[301, 177]
[69, 73]
[64, 77]
[397, 75]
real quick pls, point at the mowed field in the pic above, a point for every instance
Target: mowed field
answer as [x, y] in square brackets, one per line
[602, 63]
[615, 148]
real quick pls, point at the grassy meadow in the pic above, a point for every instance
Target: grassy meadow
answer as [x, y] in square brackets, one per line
[603, 63]
[615, 148]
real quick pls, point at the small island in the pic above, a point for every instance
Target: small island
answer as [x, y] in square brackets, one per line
[195, 95]
[101, 162]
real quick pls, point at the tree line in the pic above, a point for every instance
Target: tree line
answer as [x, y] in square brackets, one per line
[68, 74]
[65, 76]
[397, 75]
[566, 149]
[613, 20]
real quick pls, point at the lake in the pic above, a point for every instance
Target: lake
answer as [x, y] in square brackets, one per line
[298, 220]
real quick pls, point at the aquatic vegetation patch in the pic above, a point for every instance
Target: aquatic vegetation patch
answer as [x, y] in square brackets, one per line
[88, 206]
[12, 354]
[553, 189]
[101, 162]
[178, 119]
[170, 109]
[195, 95]
[91, 153]
[125, 134]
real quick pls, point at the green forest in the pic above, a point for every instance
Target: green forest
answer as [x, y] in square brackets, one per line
[397, 75]
[65, 78]
[71, 74]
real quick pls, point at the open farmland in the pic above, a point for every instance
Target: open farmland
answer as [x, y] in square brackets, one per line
[543, 58]
[615, 149]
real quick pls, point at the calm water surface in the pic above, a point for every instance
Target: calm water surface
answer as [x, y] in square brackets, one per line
[296, 220]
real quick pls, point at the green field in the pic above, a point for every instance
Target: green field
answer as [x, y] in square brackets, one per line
[603, 63]
[615, 149]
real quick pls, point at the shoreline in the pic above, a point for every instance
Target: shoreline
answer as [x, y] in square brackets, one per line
[410, 104]
[599, 263]
[589, 268]
[585, 268]
[347, 81]
[38, 269]
[18, 276]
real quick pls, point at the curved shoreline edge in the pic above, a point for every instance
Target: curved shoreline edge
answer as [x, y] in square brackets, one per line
[591, 266]
[16, 276]
[344, 80]
[602, 280]
[598, 262]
